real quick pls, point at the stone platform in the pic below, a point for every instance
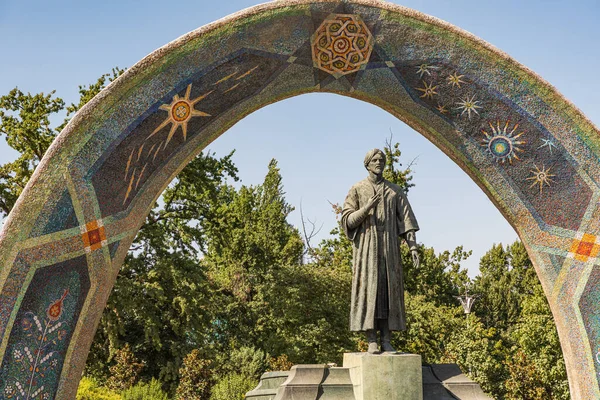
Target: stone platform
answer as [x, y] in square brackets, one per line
[369, 377]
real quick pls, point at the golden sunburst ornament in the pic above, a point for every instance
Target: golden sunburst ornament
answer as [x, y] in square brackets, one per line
[442, 109]
[180, 110]
[469, 105]
[455, 79]
[501, 143]
[424, 69]
[541, 177]
[428, 90]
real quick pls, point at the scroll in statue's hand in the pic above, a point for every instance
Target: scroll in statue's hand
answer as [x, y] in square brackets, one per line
[415, 258]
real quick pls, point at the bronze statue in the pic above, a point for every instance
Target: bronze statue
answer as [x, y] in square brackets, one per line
[376, 214]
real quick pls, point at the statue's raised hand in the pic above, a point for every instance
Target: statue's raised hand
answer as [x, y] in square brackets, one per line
[373, 201]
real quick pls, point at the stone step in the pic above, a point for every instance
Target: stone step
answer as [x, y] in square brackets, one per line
[384, 373]
[268, 385]
[447, 381]
[337, 385]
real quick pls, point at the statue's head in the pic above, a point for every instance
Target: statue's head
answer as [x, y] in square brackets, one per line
[375, 161]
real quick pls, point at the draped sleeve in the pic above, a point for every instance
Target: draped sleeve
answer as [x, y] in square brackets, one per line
[351, 213]
[406, 217]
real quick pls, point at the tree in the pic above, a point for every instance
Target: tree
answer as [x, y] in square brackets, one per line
[249, 242]
[392, 171]
[195, 378]
[536, 366]
[480, 352]
[25, 122]
[439, 277]
[232, 387]
[506, 278]
[161, 301]
[145, 391]
[429, 328]
[126, 370]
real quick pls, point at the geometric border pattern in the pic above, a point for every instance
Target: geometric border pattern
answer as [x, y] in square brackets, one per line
[532, 152]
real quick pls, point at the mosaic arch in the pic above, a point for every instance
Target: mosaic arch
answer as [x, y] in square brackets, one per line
[530, 150]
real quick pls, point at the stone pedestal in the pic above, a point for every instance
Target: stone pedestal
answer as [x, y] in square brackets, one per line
[385, 376]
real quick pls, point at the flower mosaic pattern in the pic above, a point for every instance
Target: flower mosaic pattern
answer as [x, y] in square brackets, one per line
[36, 356]
[42, 331]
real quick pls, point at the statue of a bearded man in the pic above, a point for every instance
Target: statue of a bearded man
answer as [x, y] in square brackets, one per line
[376, 214]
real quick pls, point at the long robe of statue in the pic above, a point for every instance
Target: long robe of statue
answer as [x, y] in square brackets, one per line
[377, 265]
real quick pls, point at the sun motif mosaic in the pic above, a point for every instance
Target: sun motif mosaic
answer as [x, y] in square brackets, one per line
[428, 90]
[547, 143]
[180, 110]
[468, 105]
[455, 79]
[425, 69]
[541, 177]
[501, 143]
[342, 44]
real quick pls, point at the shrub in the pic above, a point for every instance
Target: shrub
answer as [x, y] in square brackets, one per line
[232, 387]
[90, 390]
[246, 361]
[281, 363]
[125, 372]
[195, 378]
[145, 391]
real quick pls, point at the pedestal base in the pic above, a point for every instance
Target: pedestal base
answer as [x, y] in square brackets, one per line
[385, 376]
[312, 382]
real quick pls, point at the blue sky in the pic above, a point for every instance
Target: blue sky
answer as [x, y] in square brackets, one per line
[320, 139]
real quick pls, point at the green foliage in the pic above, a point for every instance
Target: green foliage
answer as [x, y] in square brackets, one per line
[195, 378]
[392, 171]
[250, 244]
[439, 277]
[126, 370]
[537, 365]
[233, 387]
[25, 121]
[480, 352]
[430, 328]
[247, 361]
[280, 363]
[170, 319]
[506, 278]
[145, 391]
[519, 355]
[90, 390]
[312, 322]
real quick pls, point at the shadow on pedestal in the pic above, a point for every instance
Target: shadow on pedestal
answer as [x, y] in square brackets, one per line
[447, 382]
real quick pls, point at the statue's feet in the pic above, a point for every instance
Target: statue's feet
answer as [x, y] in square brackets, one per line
[386, 347]
[373, 348]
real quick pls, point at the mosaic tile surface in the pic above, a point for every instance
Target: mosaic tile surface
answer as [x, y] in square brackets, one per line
[532, 152]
